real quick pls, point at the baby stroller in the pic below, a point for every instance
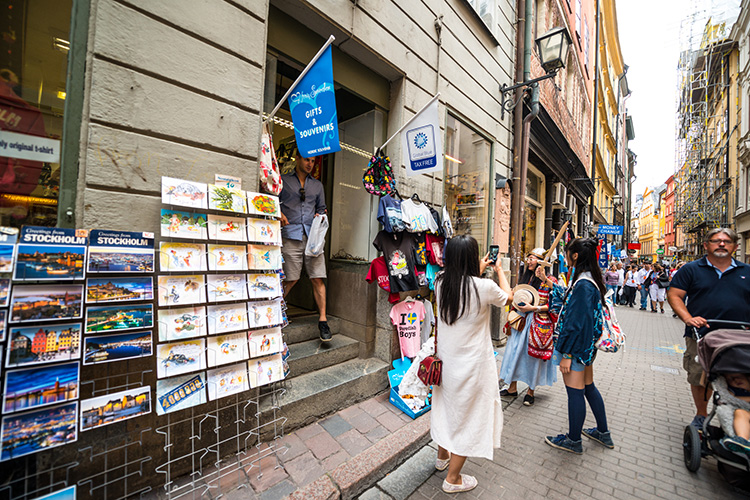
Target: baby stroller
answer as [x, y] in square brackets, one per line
[724, 350]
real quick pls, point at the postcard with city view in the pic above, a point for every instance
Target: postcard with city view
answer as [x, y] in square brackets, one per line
[38, 430]
[226, 287]
[265, 342]
[115, 407]
[103, 319]
[184, 193]
[183, 323]
[264, 231]
[227, 258]
[224, 349]
[263, 257]
[120, 252]
[181, 357]
[35, 345]
[49, 262]
[182, 290]
[263, 371]
[68, 493]
[45, 302]
[99, 290]
[227, 318]
[225, 228]
[264, 286]
[176, 224]
[182, 256]
[178, 393]
[118, 347]
[3, 323]
[226, 199]
[263, 204]
[227, 380]
[7, 249]
[4, 291]
[40, 386]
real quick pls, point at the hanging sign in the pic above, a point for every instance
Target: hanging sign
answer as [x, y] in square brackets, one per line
[423, 149]
[313, 107]
[603, 256]
[608, 229]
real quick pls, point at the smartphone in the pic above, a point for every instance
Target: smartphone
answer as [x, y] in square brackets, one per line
[494, 251]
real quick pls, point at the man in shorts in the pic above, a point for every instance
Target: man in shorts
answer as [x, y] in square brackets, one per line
[302, 199]
[714, 287]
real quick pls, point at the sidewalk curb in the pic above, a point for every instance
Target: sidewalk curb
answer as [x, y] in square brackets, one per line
[364, 470]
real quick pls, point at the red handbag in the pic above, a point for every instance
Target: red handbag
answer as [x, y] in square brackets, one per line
[430, 370]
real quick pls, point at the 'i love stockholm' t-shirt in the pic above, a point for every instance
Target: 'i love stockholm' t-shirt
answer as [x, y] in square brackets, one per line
[398, 250]
[408, 316]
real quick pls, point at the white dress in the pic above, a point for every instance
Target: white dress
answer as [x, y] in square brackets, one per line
[467, 414]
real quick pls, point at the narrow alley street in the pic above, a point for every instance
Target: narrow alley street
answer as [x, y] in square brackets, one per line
[648, 405]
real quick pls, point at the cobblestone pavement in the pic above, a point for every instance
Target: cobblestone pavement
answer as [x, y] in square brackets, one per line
[647, 409]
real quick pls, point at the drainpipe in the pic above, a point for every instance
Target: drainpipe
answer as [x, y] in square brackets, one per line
[594, 124]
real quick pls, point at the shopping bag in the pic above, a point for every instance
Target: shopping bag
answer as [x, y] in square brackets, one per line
[316, 240]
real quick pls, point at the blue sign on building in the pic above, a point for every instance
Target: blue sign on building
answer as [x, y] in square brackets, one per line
[607, 229]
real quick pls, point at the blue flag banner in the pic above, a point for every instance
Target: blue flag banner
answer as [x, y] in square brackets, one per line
[603, 256]
[313, 107]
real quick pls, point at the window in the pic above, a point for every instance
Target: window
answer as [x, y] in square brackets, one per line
[578, 20]
[467, 175]
[586, 44]
[33, 74]
[486, 11]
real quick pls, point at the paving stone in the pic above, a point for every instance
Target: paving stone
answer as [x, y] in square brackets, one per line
[403, 481]
[304, 469]
[291, 446]
[311, 430]
[353, 442]
[322, 445]
[377, 434]
[372, 407]
[375, 494]
[270, 471]
[335, 425]
[363, 422]
[279, 491]
[390, 421]
[335, 460]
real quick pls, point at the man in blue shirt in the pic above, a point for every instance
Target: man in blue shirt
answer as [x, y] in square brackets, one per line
[715, 287]
[302, 199]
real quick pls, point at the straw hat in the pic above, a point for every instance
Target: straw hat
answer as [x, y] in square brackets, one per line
[526, 294]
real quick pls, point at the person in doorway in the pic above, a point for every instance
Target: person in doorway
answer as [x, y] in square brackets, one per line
[578, 327]
[644, 281]
[518, 364]
[467, 415]
[302, 199]
[714, 287]
[631, 285]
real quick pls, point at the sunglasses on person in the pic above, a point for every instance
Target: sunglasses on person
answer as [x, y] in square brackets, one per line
[301, 194]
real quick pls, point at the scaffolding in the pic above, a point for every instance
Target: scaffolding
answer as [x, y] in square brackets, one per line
[704, 193]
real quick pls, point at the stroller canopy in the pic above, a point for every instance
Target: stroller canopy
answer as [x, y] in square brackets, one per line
[725, 351]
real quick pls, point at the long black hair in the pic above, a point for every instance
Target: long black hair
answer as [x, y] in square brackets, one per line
[461, 263]
[587, 261]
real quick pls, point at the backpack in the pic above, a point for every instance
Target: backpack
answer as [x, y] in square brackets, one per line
[662, 281]
[612, 336]
[378, 178]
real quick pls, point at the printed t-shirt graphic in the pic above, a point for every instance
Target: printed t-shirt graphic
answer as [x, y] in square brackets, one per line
[429, 322]
[389, 214]
[408, 316]
[435, 249]
[417, 217]
[379, 271]
[398, 251]
[420, 252]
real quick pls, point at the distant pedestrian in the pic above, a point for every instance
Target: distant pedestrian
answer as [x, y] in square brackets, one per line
[631, 285]
[644, 282]
[715, 286]
[467, 416]
[620, 297]
[611, 279]
[658, 288]
[579, 326]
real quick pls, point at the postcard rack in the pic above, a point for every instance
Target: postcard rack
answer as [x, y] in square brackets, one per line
[33, 481]
[224, 448]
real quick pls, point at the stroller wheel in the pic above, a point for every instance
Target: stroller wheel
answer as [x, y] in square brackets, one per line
[691, 447]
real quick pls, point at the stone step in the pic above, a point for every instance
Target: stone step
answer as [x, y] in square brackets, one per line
[313, 395]
[312, 355]
[304, 328]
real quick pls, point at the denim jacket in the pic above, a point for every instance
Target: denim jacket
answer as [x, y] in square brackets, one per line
[580, 322]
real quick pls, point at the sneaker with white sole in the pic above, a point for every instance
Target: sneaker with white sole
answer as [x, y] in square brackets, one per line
[468, 483]
[603, 438]
[563, 442]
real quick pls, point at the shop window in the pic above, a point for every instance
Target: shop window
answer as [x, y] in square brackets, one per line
[33, 73]
[531, 235]
[467, 174]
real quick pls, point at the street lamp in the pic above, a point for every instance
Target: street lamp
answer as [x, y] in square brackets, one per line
[553, 49]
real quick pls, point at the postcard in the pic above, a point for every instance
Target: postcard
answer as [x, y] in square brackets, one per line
[227, 380]
[182, 256]
[181, 392]
[264, 231]
[263, 257]
[224, 349]
[115, 407]
[264, 313]
[265, 342]
[8, 238]
[3, 323]
[265, 370]
[263, 204]
[4, 291]
[226, 287]
[176, 224]
[184, 193]
[33, 345]
[105, 319]
[45, 302]
[50, 253]
[227, 258]
[100, 290]
[183, 323]
[264, 286]
[182, 290]
[40, 386]
[227, 199]
[120, 252]
[38, 430]
[181, 357]
[227, 318]
[118, 347]
[68, 493]
[225, 228]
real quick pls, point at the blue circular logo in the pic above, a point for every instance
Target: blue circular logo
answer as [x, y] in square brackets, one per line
[420, 140]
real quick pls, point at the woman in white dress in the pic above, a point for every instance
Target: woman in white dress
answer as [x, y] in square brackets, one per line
[467, 415]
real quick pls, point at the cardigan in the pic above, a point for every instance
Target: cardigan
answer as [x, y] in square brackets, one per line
[580, 322]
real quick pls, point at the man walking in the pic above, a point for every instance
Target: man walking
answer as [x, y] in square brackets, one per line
[643, 280]
[302, 199]
[715, 287]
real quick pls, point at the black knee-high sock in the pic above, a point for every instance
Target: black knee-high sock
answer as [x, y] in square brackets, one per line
[597, 407]
[576, 412]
